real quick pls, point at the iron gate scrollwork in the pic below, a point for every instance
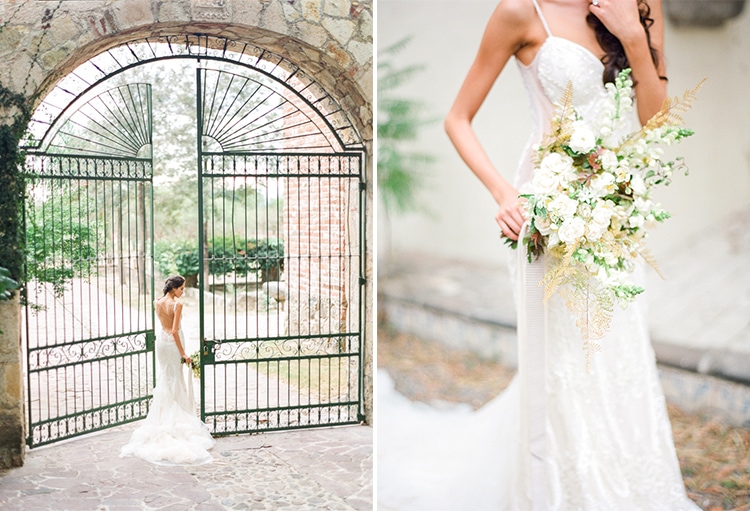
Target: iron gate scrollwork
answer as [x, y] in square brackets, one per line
[281, 199]
[282, 256]
[88, 216]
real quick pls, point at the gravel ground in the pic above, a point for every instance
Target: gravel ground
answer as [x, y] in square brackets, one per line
[715, 458]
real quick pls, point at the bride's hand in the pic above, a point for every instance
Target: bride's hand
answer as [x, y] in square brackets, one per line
[621, 17]
[511, 216]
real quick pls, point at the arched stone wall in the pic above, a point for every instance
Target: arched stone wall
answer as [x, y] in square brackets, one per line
[43, 41]
[330, 39]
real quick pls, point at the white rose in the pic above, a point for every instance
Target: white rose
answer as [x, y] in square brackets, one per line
[571, 230]
[603, 183]
[544, 182]
[562, 207]
[544, 226]
[556, 163]
[601, 214]
[583, 139]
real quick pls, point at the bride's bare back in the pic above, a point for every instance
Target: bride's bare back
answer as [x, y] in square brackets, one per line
[166, 308]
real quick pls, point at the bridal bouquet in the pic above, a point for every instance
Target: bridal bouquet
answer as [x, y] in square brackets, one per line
[195, 363]
[590, 205]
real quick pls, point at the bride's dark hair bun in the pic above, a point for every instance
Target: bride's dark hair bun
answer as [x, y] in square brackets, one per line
[173, 282]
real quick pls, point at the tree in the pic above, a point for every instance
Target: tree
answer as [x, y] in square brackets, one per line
[62, 239]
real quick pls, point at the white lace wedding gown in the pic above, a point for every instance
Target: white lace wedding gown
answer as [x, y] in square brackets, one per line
[171, 434]
[608, 439]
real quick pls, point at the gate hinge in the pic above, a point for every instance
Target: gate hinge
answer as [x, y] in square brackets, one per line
[363, 186]
[362, 281]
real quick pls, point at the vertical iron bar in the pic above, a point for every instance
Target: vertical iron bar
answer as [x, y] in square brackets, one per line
[27, 309]
[362, 280]
[201, 283]
[149, 303]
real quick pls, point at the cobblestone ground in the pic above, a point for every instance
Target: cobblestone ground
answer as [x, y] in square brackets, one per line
[314, 469]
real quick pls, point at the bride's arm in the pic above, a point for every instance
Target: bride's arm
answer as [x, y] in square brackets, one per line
[504, 36]
[176, 330]
[622, 19]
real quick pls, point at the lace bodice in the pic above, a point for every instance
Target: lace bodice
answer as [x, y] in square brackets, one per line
[557, 62]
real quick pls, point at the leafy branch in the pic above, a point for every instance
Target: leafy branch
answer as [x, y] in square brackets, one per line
[399, 122]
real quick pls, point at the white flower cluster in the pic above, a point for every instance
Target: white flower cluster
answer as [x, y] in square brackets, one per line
[591, 191]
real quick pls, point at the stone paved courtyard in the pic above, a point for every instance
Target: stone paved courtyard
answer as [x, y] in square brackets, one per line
[311, 469]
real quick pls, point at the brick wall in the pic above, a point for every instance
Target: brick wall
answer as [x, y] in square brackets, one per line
[321, 239]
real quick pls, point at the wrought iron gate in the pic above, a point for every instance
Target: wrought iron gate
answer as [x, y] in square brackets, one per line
[281, 192]
[88, 320]
[281, 290]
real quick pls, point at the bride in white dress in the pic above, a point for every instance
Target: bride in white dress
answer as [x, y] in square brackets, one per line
[171, 434]
[603, 441]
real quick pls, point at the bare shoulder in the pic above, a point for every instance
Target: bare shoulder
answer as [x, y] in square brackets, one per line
[516, 13]
[514, 21]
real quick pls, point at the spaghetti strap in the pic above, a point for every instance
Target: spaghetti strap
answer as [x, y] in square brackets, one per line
[541, 17]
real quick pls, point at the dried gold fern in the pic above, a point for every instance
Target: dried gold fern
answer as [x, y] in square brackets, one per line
[592, 308]
[645, 253]
[668, 114]
[673, 107]
[560, 124]
[561, 271]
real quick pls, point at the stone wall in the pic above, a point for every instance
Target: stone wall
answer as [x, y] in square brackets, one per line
[41, 42]
[329, 39]
[12, 420]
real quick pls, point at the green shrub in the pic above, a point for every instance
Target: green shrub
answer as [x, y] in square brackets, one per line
[7, 284]
[225, 255]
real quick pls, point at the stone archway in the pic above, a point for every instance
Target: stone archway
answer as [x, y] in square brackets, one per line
[328, 39]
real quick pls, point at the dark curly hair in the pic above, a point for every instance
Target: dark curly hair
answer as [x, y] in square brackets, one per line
[614, 59]
[173, 282]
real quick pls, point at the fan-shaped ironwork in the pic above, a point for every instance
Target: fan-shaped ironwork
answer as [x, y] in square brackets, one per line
[248, 114]
[116, 122]
[277, 68]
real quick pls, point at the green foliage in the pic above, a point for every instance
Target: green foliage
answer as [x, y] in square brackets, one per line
[12, 183]
[187, 262]
[7, 284]
[225, 256]
[269, 258]
[399, 122]
[177, 258]
[61, 244]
